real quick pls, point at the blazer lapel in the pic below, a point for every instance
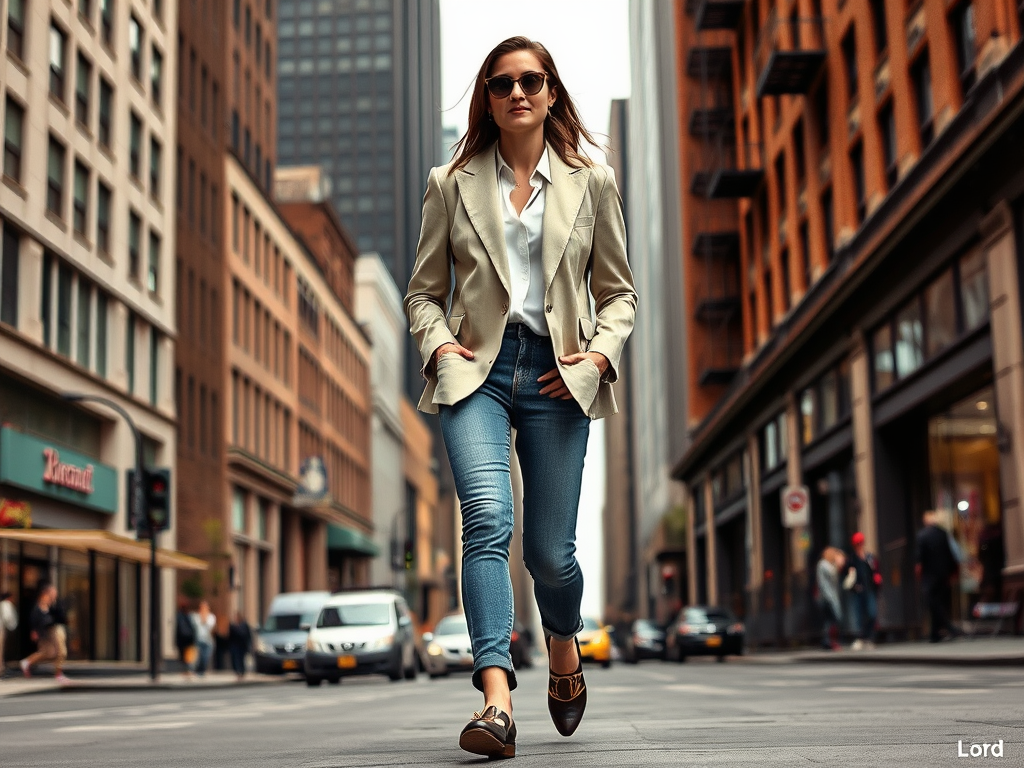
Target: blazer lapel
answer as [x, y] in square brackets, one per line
[478, 187]
[562, 202]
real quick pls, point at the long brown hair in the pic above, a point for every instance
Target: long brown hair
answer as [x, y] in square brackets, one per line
[563, 129]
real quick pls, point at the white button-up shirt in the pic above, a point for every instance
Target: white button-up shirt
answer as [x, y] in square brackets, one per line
[524, 236]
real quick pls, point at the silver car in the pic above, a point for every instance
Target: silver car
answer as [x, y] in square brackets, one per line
[448, 646]
[280, 644]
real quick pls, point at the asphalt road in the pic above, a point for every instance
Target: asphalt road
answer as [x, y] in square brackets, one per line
[654, 714]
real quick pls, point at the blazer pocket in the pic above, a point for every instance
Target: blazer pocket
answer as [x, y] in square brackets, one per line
[455, 323]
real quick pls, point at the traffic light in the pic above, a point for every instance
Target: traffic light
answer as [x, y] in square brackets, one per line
[156, 491]
[408, 554]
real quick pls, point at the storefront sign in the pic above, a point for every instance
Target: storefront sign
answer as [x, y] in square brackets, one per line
[15, 514]
[37, 465]
[796, 506]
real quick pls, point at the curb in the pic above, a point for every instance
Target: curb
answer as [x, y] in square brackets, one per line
[96, 686]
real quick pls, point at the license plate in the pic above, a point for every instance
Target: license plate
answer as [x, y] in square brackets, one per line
[289, 664]
[346, 662]
[714, 642]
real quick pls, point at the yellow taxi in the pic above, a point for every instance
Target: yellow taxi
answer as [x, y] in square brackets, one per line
[595, 642]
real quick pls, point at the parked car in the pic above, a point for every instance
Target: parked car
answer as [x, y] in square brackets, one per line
[361, 633]
[595, 642]
[448, 646]
[280, 644]
[646, 640]
[702, 630]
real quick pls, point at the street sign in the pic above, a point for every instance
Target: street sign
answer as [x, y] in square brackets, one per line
[796, 506]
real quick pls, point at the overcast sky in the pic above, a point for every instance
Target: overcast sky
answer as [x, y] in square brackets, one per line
[589, 41]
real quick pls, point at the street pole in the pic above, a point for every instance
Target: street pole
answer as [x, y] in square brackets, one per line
[137, 506]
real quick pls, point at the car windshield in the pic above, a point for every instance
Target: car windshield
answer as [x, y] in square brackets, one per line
[452, 625]
[355, 615]
[285, 622]
[703, 616]
[590, 625]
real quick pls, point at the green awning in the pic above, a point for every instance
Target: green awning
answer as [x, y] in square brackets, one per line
[350, 540]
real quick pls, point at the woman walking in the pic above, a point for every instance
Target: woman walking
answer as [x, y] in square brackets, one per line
[204, 622]
[532, 231]
[828, 573]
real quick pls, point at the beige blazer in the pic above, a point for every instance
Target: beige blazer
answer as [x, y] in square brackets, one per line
[583, 254]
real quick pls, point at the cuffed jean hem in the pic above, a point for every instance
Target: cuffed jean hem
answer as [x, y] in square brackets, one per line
[562, 638]
[493, 660]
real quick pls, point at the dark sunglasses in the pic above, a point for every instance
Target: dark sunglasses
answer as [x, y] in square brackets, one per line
[501, 86]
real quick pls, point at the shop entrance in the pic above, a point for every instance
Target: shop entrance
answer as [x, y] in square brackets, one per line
[775, 549]
[963, 463]
[731, 541]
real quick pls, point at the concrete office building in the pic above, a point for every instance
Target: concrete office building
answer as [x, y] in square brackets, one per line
[87, 298]
[872, 157]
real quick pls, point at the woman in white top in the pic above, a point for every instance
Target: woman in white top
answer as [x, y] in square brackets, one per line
[205, 622]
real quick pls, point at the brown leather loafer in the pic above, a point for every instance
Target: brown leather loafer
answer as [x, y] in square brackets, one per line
[567, 696]
[491, 733]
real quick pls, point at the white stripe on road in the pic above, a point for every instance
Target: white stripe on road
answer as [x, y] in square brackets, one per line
[122, 727]
[944, 691]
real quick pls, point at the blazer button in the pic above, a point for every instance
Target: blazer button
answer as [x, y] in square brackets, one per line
[504, 308]
[548, 309]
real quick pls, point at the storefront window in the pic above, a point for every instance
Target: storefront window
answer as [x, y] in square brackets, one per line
[261, 520]
[105, 594]
[238, 510]
[882, 347]
[940, 314]
[909, 339]
[829, 400]
[783, 437]
[808, 416]
[129, 615]
[73, 592]
[769, 443]
[974, 289]
[964, 469]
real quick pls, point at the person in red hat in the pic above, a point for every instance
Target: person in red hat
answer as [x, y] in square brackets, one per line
[864, 591]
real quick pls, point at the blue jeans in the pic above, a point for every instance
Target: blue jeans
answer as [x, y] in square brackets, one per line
[551, 442]
[203, 657]
[865, 611]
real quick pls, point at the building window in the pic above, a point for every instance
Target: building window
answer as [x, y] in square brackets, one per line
[46, 299]
[155, 161]
[878, 26]
[16, 27]
[58, 65]
[55, 178]
[887, 127]
[156, 75]
[238, 510]
[83, 90]
[965, 38]
[101, 334]
[850, 63]
[921, 74]
[64, 279]
[106, 109]
[129, 351]
[107, 21]
[81, 201]
[236, 14]
[135, 148]
[154, 366]
[859, 182]
[9, 276]
[135, 46]
[235, 129]
[974, 290]
[805, 254]
[14, 123]
[103, 195]
[774, 443]
[153, 268]
[134, 237]
[909, 338]
[828, 214]
[84, 326]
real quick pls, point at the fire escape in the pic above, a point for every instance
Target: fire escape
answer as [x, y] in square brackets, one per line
[789, 54]
[723, 171]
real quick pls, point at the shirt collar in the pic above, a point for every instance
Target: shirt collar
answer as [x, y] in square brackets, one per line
[543, 166]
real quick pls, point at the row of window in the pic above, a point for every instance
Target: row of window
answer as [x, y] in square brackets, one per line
[340, 351]
[252, 241]
[825, 403]
[203, 90]
[239, 523]
[954, 304]
[197, 310]
[328, 25]
[381, 62]
[198, 409]
[260, 423]
[254, 329]
[9, 275]
[202, 203]
[288, 48]
[348, 482]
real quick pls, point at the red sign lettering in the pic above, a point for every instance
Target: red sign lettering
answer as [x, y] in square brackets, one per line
[67, 475]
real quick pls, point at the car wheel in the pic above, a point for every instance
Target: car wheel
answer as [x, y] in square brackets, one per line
[721, 658]
[606, 664]
[313, 682]
[411, 672]
[681, 658]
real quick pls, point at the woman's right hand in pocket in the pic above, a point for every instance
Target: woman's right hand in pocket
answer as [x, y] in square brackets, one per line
[452, 348]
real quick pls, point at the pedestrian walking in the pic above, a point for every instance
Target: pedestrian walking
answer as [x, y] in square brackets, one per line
[936, 564]
[831, 564]
[8, 623]
[46, 624]
[185, 638]
[864, 592]
[239, 643]
[525, 223]
[204, 622]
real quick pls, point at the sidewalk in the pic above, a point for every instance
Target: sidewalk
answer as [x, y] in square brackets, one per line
[989, 651]
[125, 677]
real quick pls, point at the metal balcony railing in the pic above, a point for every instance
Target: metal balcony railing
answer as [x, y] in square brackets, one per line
[718, 14]
[705, 61]
[724, 170]
[716, 231]
[789, 54]
[712, 109]
[719, 296]
[721, 356]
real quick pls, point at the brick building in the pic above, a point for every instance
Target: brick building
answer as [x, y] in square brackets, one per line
[853, 182]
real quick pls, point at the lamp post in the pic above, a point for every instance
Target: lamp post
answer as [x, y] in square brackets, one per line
[137, 505]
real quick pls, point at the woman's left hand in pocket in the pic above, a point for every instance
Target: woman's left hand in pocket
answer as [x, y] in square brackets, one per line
[555, 387]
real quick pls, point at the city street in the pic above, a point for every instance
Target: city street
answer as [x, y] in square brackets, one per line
[656, 714]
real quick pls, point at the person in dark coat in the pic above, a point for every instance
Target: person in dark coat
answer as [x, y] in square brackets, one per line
[185, 638]
[935, 566]
[239, 643]
[864, 591]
